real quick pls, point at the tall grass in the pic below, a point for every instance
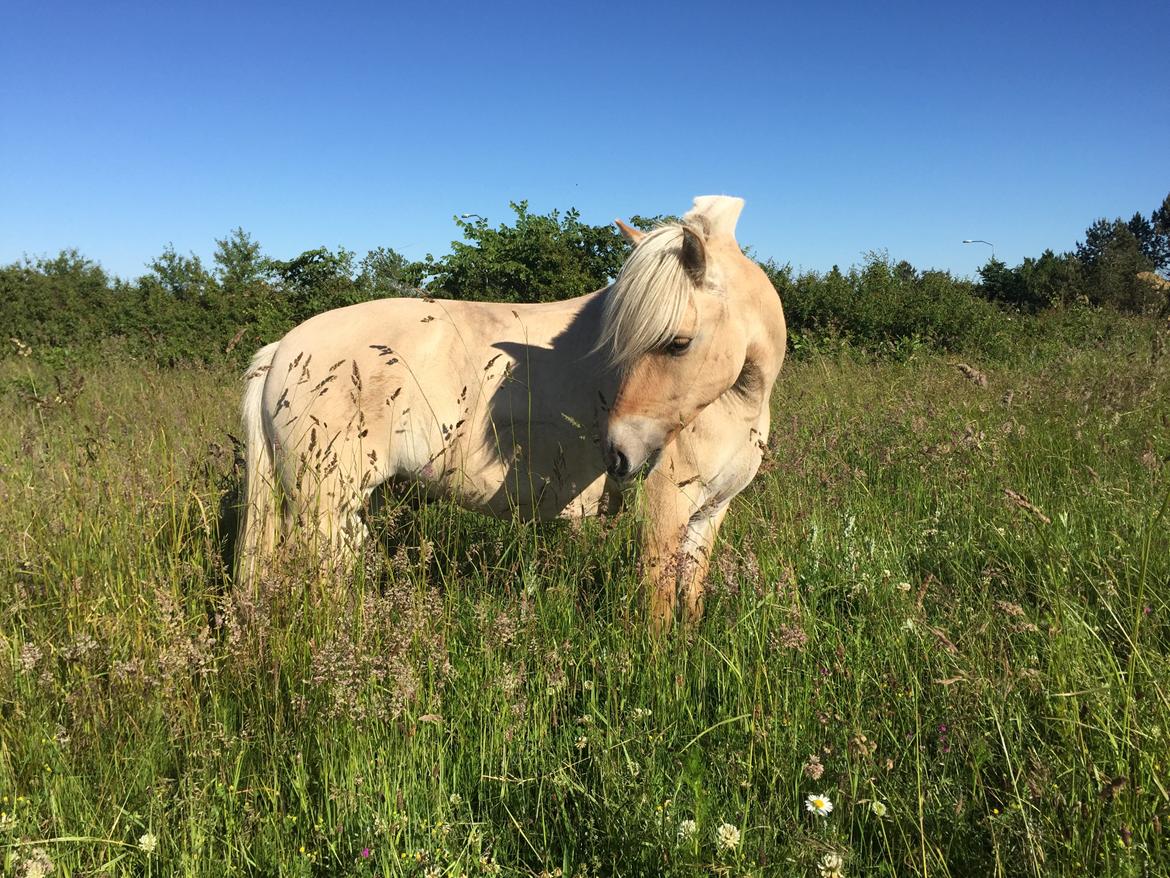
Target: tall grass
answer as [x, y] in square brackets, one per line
[944, 605]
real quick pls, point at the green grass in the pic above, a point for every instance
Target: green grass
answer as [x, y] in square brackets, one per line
[483, 697]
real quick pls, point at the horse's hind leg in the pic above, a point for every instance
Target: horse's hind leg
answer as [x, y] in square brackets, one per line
[330, 516]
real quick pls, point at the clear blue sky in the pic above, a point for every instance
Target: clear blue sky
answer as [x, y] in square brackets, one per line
[846, 127]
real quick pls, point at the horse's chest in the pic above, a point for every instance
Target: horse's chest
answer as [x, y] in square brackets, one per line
[727, 451]
[736, 473]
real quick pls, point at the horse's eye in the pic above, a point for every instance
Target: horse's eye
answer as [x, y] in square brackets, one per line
[678, 346]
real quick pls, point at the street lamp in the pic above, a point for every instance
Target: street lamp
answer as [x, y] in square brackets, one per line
[981, 241]
[470, 215]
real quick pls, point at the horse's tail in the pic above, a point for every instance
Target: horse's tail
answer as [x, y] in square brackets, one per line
[259, 516]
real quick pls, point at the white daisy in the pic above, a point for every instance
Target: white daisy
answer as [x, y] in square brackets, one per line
[820, 805]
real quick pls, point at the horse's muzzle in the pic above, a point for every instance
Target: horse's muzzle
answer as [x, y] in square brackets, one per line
[632, 446]
[617, 464]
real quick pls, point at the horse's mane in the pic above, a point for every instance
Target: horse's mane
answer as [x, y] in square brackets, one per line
[646, 304]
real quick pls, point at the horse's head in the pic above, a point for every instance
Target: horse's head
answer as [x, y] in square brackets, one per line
[688, 318]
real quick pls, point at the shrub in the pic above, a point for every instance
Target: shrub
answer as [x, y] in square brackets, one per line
[884, 306]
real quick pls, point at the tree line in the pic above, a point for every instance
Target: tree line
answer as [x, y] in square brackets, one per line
[1112, 266]
[181, 310]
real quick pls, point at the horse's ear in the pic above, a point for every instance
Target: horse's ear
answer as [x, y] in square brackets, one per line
[694, 255]
[629, 232]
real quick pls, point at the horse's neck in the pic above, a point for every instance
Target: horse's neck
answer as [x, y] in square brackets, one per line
[555, 355]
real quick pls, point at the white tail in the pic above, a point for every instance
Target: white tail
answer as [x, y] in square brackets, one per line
[259, 519]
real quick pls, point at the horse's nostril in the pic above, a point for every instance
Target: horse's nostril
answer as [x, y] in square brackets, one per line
[619, 464]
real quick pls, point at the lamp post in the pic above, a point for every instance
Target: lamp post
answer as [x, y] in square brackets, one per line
[981, 241]
[470, 215]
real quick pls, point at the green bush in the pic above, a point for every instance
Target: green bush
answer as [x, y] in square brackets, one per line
[59, 302]
[538, 259]
[885, 306]
[181, 312]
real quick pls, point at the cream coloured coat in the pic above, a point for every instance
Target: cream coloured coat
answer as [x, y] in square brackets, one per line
[522, 409]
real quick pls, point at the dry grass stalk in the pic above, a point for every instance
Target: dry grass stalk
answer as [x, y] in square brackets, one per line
[1025, 504]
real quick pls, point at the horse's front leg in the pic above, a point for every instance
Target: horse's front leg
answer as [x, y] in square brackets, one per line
[677, 535]
[665, 517]
[697, 545]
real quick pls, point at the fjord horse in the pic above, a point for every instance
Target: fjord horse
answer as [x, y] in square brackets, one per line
[539, 410]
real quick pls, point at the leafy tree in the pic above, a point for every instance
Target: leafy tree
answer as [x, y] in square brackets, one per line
[1159, 251]
[1097, 236]
[316, 281]
[1113, 279]
[239, 260]
[251, 308]
[646, 223]
[386, 272]
[1152, 236]
[1143, 231]
[1035, 284]
[905, 272]
[1114, 253]
[1051, 280]
[539, 258]
[182, 276]
[1002, 284]
[57, 302]
[779, 275]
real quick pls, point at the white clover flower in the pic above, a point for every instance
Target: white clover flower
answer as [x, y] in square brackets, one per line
[455, 799]
[148, 842]
[727, 837]
[831, 866]
[687, 830]
[639, 713]
[878, 808]
[582, 742]
[38, 865]
[820, 805]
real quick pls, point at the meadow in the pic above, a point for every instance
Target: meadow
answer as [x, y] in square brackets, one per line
[943, 606]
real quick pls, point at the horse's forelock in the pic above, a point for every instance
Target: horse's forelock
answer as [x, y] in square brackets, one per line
[646, 304]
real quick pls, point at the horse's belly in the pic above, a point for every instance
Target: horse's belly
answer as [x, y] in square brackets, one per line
[504, 489]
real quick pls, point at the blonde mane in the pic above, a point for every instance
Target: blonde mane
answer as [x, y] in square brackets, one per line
[647, 302]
